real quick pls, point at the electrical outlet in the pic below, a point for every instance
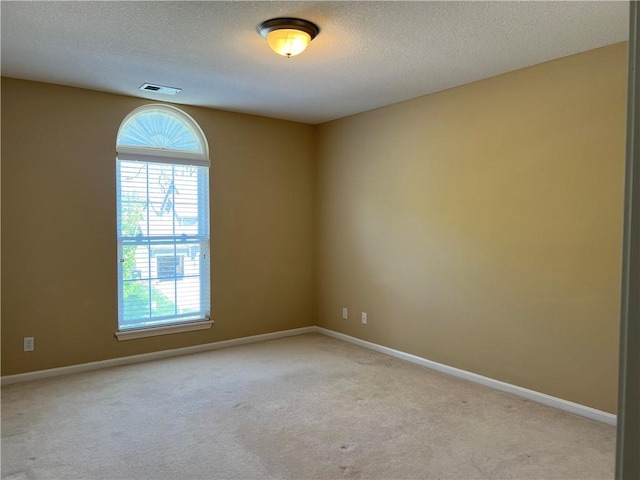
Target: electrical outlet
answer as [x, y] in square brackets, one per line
[345, 313]
[28, 344]
[364, 318]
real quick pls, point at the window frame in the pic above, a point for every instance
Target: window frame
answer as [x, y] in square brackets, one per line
[159, 155]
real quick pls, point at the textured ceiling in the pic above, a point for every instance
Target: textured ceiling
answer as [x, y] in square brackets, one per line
[368, 54]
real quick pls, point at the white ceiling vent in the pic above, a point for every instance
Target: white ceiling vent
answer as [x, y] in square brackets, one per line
[150, 87]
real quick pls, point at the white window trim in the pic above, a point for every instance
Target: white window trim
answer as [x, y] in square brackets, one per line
[163, 330]
[147, 154]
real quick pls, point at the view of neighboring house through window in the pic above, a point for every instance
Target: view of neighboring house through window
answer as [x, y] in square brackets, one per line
[163, 219]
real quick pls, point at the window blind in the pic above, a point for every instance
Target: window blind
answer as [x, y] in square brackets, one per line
[163, 243]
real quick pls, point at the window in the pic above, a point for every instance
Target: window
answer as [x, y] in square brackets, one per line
[162, 221]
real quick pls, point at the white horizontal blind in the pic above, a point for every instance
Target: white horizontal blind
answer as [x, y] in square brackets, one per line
[163, 243]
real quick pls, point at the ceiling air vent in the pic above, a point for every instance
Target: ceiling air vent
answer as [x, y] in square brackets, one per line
[149, 87]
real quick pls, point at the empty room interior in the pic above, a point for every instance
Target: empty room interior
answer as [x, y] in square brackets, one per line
[396, 253]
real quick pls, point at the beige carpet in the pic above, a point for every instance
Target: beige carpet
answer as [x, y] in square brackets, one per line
[294, 408]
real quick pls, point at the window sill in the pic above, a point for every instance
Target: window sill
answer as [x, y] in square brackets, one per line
[163, 330]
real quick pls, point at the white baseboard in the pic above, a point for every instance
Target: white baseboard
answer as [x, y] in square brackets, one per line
[543, 398]
[145, 357]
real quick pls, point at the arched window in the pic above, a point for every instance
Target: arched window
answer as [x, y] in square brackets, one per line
[163, 223]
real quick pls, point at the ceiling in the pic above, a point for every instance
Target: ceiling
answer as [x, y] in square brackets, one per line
[368, 54]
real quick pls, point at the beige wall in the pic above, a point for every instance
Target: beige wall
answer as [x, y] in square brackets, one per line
[481, 226]
[58, 226]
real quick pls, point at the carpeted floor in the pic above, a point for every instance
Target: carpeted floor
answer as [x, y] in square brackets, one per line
[305, 407]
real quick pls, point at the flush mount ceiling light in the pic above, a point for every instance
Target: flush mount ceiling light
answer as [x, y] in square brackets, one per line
[288, 36]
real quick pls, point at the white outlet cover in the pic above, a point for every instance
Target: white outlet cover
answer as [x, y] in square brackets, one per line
[364, 317]
[345, 313]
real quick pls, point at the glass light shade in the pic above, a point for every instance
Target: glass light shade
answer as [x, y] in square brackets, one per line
[288, 42]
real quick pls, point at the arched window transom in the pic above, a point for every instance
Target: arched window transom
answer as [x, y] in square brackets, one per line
[163, 127]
